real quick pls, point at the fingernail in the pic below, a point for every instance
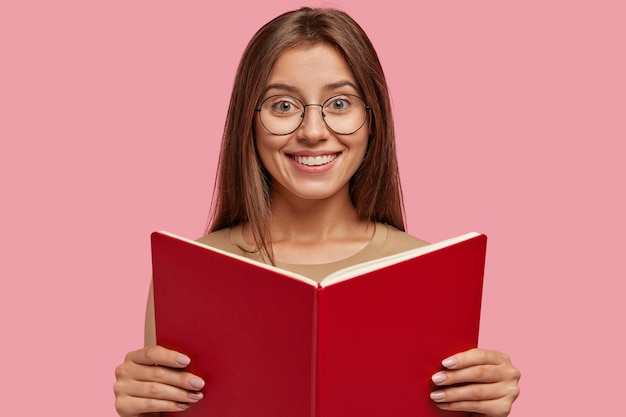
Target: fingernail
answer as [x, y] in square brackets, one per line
[439, 377]
[449, 363]
[183, 406]
[197, 383]
[183, 360]
[195, 395]
[437, 395]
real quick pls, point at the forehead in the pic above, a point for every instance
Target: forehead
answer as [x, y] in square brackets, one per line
[310, 68]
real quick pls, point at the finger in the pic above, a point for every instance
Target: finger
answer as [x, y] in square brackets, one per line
[475, 357]
[135, 396]
[482, 373]
[470, 392]
[156, 390]
[491, 408]
[158, 355]
[131, 406]
[167, 376]
[130, 372]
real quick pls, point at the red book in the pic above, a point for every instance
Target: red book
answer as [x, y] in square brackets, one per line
[363, 342]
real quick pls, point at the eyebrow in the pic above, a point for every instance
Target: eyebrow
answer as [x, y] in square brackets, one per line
[328, 87]
[339, 84]
[279, 86]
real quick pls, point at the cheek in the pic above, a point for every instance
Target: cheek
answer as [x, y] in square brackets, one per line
[268, 152]
[362, 144]
[263, 157]
[260, 141]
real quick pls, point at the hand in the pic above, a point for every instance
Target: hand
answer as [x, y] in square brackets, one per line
[488, 383]
[152, 380]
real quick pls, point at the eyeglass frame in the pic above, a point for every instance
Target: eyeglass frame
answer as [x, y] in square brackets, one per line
[304, 106]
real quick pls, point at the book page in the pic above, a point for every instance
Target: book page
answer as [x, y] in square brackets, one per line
[362, 268]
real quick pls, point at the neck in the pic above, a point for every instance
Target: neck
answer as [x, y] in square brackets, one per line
[301, 220]
[315, 231]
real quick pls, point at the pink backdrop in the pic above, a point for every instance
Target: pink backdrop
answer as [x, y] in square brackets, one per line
[510, 120]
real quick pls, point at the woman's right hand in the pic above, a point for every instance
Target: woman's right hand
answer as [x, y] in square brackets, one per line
[152, 380]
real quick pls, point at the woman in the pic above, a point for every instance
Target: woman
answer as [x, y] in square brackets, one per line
[308, 173]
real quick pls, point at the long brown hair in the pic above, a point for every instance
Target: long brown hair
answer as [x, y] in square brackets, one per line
[242, 189]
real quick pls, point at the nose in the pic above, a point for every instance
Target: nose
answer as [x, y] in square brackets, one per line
[313, 127]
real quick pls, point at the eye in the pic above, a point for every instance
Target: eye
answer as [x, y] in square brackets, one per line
[338, 104]
[282, 105]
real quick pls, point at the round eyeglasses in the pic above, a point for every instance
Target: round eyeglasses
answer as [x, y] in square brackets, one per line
[281, 115]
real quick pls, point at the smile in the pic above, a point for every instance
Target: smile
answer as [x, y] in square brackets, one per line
[314, 160]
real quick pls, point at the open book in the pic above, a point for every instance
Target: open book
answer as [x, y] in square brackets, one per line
[362, 342]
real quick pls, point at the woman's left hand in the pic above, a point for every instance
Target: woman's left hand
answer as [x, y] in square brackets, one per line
[487, 383]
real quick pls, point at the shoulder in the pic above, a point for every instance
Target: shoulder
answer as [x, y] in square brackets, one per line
[220, 239]
[398, 241]
[229, 239]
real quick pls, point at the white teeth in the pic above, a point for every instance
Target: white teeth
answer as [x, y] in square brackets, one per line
[315, 160]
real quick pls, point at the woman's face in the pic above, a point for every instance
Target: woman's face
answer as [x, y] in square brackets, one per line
[312, 162]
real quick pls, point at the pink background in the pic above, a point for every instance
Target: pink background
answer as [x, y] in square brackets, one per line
[510, 120]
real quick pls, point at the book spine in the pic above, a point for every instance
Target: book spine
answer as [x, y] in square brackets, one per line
[315, 391]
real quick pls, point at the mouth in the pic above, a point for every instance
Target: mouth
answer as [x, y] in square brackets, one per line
[313, 161]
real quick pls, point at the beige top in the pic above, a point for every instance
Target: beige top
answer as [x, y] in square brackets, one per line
[386, 241]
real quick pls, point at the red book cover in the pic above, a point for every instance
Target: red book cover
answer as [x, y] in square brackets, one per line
[363, 342]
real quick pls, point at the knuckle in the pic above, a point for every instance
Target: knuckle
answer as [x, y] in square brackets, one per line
[480, 373]
[118, 406]
[482, 355]
[478, 391]
[504, 358]
[505, 409]
[154, 390]
[512, 374]
[152, 404]
[158, 373]
[118, 388]
[152, 353]
[479, 356]
[121, 406]
[121, 371]
[515, 392]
